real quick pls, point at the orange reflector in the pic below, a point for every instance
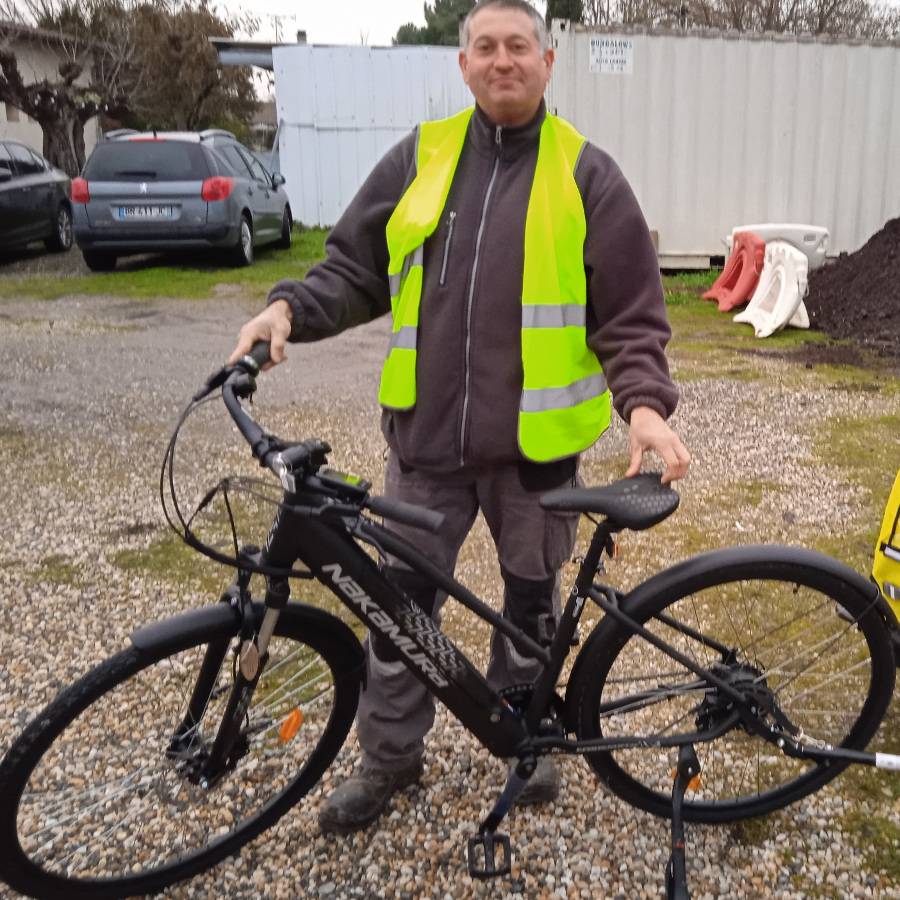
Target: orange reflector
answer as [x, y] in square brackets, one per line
[291, 725]
[692, 785]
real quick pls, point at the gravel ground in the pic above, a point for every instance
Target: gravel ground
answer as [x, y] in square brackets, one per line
[91, 390]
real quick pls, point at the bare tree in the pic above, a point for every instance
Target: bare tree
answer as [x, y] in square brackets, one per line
[852, 18]
[92, 45]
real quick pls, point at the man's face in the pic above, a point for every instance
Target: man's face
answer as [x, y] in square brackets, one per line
[503, 65]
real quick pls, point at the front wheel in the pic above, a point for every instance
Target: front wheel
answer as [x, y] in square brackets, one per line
[99, 801]
[800, 633]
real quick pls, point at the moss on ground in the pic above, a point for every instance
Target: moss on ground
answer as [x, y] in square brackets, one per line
[753, 832]
[879, 840]
[58, 569]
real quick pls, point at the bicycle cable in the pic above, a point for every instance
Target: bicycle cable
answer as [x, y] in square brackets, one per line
[175, 517]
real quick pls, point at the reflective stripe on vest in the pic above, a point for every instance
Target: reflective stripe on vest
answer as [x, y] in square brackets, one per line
[565, 404]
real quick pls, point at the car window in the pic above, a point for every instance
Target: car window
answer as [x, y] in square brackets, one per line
[39, 160]
[267, 174]
[147, 160]
[5, 162]
[259, 172]
[24, 162]
[252, 164]
[234, 159]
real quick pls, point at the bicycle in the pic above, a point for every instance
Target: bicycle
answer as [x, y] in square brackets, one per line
[724, 687]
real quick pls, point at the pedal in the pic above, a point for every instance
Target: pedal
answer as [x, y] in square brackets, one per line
[483, 857]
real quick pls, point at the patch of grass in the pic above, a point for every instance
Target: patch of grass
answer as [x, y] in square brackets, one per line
[693, 282]
[170, 559]
[752, 832]
[190, 280]
[866, 448]
[868, 783]
[58, 570]
[879, 839]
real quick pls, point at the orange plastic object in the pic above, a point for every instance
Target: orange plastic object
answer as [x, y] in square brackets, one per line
[692, 785]
[291, 725]
[735, 286]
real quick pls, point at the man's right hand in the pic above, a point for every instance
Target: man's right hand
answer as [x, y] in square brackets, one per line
[273, 324]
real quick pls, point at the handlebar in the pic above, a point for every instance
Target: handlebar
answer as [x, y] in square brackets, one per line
[288, 460]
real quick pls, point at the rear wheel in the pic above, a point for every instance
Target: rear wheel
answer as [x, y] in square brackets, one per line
[804, 636]
[61, 239]
[98, 801]
[286, 230]
[98, 261]
[242, 252]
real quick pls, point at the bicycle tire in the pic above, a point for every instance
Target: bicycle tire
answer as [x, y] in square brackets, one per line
[842, 607]
[314, 666]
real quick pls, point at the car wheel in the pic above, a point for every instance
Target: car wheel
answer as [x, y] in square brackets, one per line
[99, 262]
[242, 253]
[61, 239]
[287, 226]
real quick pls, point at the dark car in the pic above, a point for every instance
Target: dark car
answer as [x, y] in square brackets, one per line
[144, 192]
[34, 200]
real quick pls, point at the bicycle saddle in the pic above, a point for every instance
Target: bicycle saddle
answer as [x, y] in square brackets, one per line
[636, 503]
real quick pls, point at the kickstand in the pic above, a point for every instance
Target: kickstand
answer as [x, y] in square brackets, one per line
[676, 871]
[482, 849]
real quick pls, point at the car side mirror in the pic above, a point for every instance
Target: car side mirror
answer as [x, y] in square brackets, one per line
[278, 179]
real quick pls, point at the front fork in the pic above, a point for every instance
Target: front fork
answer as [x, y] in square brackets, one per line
[230, 743]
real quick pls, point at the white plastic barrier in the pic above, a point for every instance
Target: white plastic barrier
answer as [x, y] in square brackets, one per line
[811, 239]
[778, 298]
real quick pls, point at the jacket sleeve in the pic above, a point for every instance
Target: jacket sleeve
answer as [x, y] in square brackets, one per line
[626, 321]
[350, 286]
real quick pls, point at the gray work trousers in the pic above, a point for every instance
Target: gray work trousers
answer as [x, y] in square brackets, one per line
[396, 710]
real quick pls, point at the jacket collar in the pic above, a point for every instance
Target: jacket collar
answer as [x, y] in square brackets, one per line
[485, 136]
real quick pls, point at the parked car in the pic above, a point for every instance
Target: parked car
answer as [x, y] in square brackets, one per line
[34, 200]
[142, 192]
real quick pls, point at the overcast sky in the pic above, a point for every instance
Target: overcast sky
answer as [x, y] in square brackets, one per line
[335, 21]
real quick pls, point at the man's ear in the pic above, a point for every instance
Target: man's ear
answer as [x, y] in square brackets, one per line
[549, 59]
[464, 65]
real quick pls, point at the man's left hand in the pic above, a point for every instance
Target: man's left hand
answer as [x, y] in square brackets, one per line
[649, 431]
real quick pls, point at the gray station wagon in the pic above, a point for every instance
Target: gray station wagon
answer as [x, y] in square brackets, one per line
[146, 192]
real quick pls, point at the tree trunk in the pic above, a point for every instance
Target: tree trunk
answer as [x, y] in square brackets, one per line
[61, 147]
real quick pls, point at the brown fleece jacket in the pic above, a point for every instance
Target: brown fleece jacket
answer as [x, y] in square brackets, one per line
[469, 362]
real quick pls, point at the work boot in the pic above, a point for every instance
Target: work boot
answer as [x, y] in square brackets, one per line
[543, 786]
[362, 798]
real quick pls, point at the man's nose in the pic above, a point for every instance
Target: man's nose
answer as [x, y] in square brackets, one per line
[502, 60]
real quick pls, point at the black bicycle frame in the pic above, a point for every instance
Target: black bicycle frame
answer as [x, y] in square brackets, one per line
[328, 550]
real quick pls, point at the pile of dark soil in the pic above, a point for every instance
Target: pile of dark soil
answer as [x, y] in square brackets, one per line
[857, 297]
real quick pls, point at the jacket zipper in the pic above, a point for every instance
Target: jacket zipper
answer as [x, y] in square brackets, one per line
[447, 240]
[487, 197]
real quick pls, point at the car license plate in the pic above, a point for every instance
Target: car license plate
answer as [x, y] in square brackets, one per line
[146, 212]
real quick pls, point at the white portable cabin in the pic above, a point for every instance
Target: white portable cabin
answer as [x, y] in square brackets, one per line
[340, 109]
[716, 128]
[711, 128]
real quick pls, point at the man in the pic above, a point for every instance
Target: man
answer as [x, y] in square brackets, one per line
[522, 280]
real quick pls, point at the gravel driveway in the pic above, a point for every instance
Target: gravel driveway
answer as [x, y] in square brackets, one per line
[91, 389]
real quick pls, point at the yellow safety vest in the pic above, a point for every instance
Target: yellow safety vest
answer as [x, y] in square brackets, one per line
[565, 403]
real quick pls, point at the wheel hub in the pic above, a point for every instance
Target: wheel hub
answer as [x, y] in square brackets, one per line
[718, 706]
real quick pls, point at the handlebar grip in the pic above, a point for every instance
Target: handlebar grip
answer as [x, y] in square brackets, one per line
[259, 353]
[407, 513]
